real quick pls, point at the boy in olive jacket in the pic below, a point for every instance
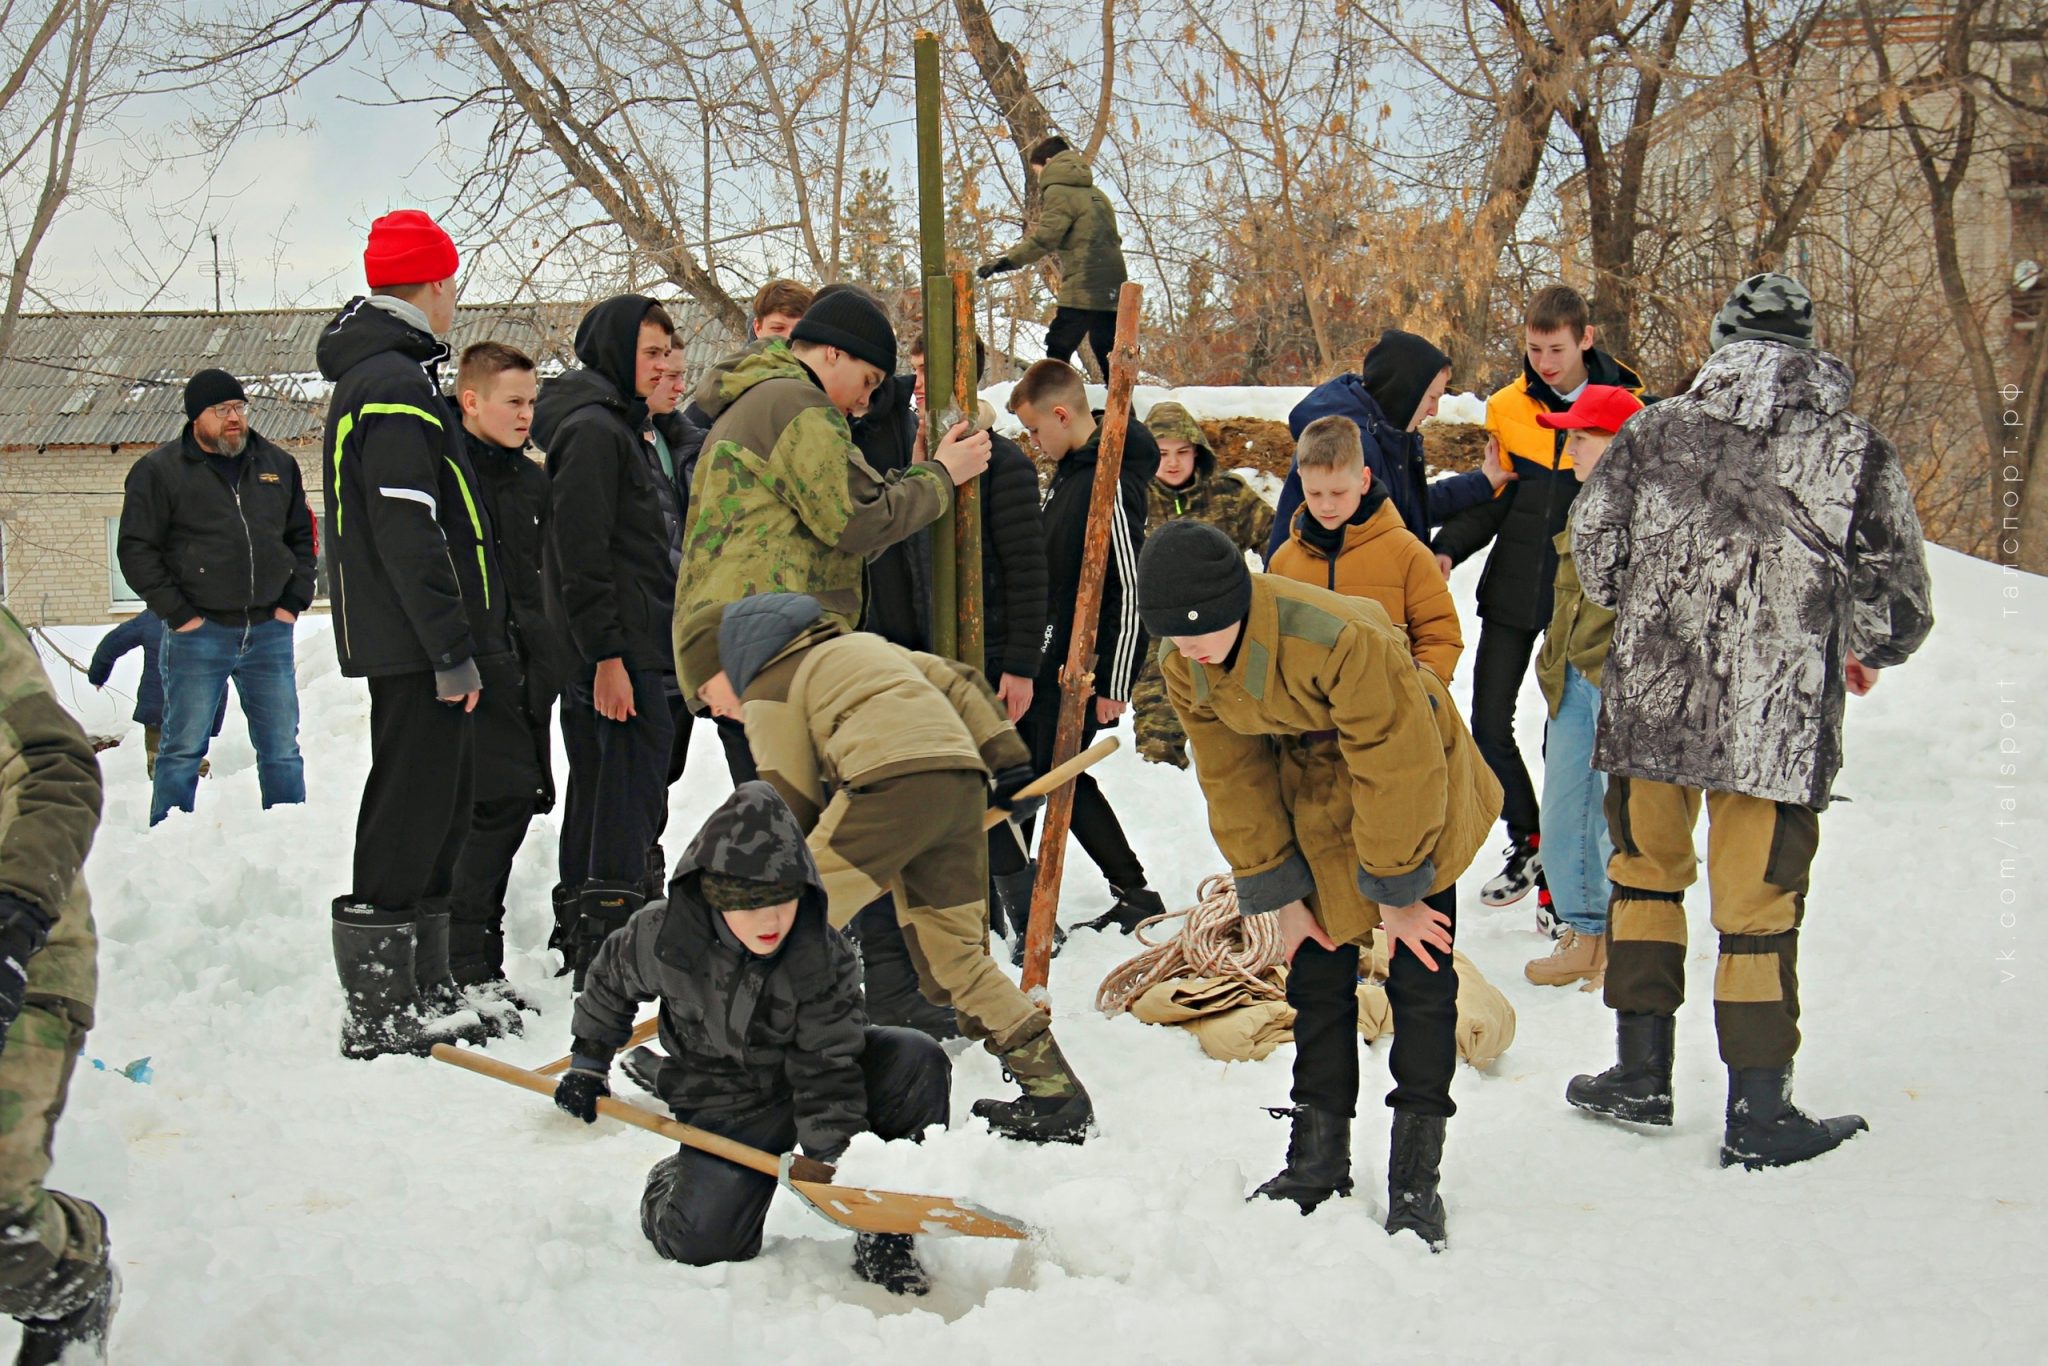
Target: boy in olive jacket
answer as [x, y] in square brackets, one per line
[1076, 224]
[886, 756]
[1346, 793]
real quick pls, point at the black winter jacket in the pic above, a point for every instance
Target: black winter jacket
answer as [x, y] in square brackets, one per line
[1526, 516]
[225, 538]
[1119, 636]
[1012, 563]
[897, 603]
[615, 541]
[514, 755]
[415, 587]
[743, 1032]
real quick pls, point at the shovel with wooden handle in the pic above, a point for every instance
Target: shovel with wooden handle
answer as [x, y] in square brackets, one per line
[854, 1207]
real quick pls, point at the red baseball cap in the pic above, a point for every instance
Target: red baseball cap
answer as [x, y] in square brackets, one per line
[408, 248]
[1601, 406]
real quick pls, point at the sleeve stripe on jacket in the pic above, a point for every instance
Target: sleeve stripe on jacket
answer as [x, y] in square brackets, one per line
[1124, 664]
[414, 496]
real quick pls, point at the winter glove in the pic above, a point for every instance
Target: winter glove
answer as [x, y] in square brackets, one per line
[578, 1091]
[992, 268]
[23, 931]
[1007, 784]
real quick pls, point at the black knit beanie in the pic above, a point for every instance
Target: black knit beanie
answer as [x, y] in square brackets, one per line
[1191, 580]
[851, 320]
[209, 387]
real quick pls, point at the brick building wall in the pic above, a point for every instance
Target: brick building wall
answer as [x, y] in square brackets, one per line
[55, 549]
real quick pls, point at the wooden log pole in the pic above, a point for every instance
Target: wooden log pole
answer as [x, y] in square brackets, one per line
[970, 606]
[939, 317]
[1077, 676]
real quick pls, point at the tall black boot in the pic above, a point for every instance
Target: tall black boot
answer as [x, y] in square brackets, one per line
[1054, 1108]
[1765, 1129]
[373, 953]
[1412, 1170]
[440, 996]
[889, 978]
[890, 1261]
[562, 938]
[1318, 1158]
[1010, 912]
[602, 908]
[79, 1335]
[1638, 1087]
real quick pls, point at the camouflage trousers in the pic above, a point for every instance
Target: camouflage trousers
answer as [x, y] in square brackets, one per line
[53, 1246]
[1160, 737]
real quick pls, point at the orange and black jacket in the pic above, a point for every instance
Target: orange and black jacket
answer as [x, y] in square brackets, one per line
[1523, 519]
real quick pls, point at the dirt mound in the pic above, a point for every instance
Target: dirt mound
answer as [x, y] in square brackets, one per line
[1447, 447]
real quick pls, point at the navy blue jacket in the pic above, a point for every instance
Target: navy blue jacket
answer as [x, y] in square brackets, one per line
[144, 631]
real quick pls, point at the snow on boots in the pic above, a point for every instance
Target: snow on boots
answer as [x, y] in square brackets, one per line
[374, 952]
[890, 1261]
[435, 979]
[1766, 1130]
[601, 907]
[1054, 1107]
[78, 1337]
[1638, 1087]
[1413, 1204]
[1318, 1158]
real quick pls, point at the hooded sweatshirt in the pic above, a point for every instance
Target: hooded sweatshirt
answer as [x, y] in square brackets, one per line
[743, 1032]
[1382, 399]
[615, 534]
[1219, 497]
[415, 584]
[1077, 224]
[783, 500]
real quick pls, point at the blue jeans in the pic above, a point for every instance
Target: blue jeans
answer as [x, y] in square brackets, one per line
[1576, 846]
[197, 665]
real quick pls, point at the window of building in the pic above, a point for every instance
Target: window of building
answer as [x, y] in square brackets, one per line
[119, 594]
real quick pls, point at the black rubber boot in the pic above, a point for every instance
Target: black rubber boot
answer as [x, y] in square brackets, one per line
[562, 938]
[890, 1261]
[1131, 909]
[373, 953]
[1413, 1204]
[1765, 1129]
[1054, 1107]
[601, 908]
[1010, 911]
[1318, 1158]
[889, 978]
[81, 1333]
[1638, 1087]
[440, 996]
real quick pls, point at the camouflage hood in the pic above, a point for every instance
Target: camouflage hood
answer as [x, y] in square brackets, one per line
[1171, 422]
[754, 835]
[732, 376]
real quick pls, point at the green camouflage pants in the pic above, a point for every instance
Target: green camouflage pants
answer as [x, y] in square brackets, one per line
[1160, 737]
[53, 1247]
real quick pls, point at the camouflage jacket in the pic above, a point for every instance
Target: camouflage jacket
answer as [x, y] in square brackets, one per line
[1218, 497]
[49, 812]
[782, 501]
[1076, 223]
[742, 1032]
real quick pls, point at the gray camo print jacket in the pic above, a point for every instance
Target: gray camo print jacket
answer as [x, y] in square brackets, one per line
[1749, 534]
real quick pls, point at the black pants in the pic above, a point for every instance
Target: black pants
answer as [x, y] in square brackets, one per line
[476, 904]
[739, 760]
[618, 784]
[416, 801]
[702, 1209]
[1070, 325]
[678, 760]
[1323, 989]
[1095, 823]
[1504, 654]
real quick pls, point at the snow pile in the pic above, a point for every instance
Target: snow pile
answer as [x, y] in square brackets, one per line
[272, 1203]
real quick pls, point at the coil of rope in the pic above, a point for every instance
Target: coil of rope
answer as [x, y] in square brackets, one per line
[1215, 942]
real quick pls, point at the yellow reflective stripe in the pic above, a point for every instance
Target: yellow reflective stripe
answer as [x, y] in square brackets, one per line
[348, 424]
[476, 523]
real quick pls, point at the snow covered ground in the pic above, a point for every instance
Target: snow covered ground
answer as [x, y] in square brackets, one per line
[271, 1203]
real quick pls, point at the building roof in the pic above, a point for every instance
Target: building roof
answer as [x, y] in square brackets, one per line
[111, 380]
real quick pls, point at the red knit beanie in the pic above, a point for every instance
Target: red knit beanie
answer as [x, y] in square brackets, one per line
[408, 248]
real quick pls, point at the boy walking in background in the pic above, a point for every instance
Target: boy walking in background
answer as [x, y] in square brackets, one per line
[1076, 224]
[1574, 792]
[1522, 521]
[1188, 485]
[1348, 538]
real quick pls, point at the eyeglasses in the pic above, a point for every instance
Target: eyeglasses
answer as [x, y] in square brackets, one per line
[232, 408]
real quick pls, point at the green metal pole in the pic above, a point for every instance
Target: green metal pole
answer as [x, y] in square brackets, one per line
[938, 330]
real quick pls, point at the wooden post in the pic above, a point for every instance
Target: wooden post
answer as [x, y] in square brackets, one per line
[1077, 677]
[938, 328]
[967, 498]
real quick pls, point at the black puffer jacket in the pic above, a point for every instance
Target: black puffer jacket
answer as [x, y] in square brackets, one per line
[1119, 636]
[742, 1032]
[616, 537]
[1012, 563]
[513, 750]
[204, 535]
[415, 587]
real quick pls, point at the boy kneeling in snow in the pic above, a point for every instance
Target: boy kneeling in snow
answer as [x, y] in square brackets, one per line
[766, 1039]
[886, 755]
[1346, 793]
